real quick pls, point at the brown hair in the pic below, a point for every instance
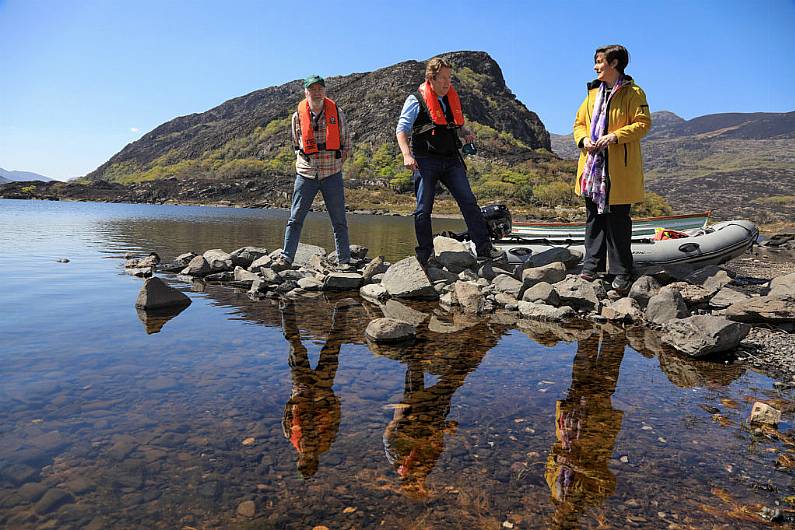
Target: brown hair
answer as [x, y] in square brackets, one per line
[614, 52]
[434, 66]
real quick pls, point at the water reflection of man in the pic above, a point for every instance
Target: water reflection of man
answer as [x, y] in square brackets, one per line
[586, 427]
[414, 439]
[312, 414]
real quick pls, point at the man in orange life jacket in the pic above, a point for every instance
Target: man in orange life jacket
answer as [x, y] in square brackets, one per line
[432, 119]
[322, 142]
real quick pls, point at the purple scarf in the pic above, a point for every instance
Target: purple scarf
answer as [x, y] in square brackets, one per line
[594, 180]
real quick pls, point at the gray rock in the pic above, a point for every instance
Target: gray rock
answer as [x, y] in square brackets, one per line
[489, 271]
[184, 259]
[150, 261]
[763, 309]
[270, 276]
[569, 257]
[580, 294]
[550, 273]
[305, 252]
[247, 509]
[262, 261]
[506, 300]
[292, 274]
[52, 500]
[438, 326]
[156, 294]
[542, 293]
[242, 275]
[139, 272]
[666, 274]
[389, 330]
[693, 295]
[376, 266]
[310, 284]
[245, 256]
[375, 292]
[198, 266]
[712, 278]
[32, 491]
[435, 275]
[342, 281]
[764, 413]
[782, 286]
[406, 279]
[666, 305]
[358, 251]
[624, 309]
[448, 299]
[224, 276]
[545, 312]
[399, 311]
[468, 276]
[218, 260]
[454, 255]
[260, 286]
[726, 297]
[469, 297]
[644, 288]
[507, 284]
[701, 335]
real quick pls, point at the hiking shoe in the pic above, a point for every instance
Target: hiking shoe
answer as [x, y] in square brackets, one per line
[587, 276]
[493, 254]
[346, 267]
[622, 283]
[281, 264]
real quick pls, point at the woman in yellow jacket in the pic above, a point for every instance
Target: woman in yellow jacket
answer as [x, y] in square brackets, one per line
[608, 128]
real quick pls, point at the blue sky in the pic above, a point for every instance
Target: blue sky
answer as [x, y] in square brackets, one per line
[81, 79]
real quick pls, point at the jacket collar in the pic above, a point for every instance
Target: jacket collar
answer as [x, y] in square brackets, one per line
[596, 83]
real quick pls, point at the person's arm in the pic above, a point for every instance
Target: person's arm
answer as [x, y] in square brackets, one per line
[346, 135]
[582, 136]
[639, 120]
[408, 115]
[295, 132]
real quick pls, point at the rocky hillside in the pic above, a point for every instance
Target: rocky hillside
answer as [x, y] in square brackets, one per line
[248, 136]
[736, 164]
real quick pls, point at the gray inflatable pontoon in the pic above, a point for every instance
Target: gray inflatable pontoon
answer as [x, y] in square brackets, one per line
[713, 245]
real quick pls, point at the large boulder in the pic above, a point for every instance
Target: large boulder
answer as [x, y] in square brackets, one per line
[469, 297]
[218, 260]
[304, 253]
[666, 305]
[624, 309]
[399, 311]
[245, 256]
[550, 273]
[376, 266]
[262, 261]
[507, 284]
[580, 294]
[156, 294]
[542, 293]
[374, 292]
[389, 330]
[454, 255]
[242, 275]
[406, 279]
[342, 281]
[783, 285]
[198, 266]
[763, 309]
[545, 312]
[489, 271]
[701, 335]
[726, 297]
[693, 295]
[644, 288]
[569, 257]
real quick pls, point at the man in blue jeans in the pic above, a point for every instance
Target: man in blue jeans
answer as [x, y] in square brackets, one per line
[322, 142]
[432, 119]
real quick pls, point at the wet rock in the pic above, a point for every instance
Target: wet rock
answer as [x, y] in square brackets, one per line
[550, 273]
[763, 309]
[726, 297]
[469, 297]
[242, 275]
[156, 294]
[295, 275]
[262, 261]
[399, 311]
[389, 330]
[666, 305]
[18, 473]
[701, 335]
[32, 491]
[624, 309]
[184, 259]
[218, 260]
[122, 446]
[542, 293]
[245, 256]
[224, 276]
[693, 295]
[210, 490]
[454, 255]
[507, 284]
[149, 262]
[304, 254]
[545, 312]
[271, 276]
[139, 272]
[375, 292]
[52, 500]
[376, 266]
[79, 485]
[310, 284]
[247, 509]
[712, 278]
[580, 294]
[342, 281]
[764, 413]
[406, 279]
[569, 257]
[198, 266]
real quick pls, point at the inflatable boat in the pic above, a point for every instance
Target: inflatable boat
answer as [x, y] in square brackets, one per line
[712, 245]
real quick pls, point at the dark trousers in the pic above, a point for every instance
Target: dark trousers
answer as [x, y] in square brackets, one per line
[451, 173]
[608, 235]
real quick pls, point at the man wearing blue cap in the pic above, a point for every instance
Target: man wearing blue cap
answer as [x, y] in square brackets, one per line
[322, 142]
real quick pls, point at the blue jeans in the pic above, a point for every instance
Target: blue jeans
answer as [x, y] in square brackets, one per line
[304, 193]
[451, 173]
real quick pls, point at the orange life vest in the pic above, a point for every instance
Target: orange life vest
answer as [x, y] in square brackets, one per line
[435, 109]
[332, 127]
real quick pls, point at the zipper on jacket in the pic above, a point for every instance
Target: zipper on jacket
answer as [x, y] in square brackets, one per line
[625, 155]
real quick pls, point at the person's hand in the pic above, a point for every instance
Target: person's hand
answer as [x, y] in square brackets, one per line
[469, 136]
[409, 163]
[589, 145]
[606, 140]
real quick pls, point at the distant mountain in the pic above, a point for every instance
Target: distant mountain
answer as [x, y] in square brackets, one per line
[4, 180]
[22, 176]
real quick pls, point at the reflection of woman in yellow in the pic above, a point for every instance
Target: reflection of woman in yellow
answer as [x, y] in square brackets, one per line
[312, 415]
[586, 427]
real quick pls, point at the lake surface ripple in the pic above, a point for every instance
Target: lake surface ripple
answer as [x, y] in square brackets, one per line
[111, 419]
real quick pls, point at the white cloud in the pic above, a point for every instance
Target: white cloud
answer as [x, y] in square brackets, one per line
[135, 129]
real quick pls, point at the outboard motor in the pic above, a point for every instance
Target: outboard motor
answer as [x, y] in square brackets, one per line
[498, 219]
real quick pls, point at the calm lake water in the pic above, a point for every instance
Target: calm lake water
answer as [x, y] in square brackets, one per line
[105, 423]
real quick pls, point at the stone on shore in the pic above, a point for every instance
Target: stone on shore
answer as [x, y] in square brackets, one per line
[693, 295]
[489, 271]
[507, 284]
[375, 292]
[184, 259]
[624, 309]
[469, 297]
[726, 297]
[763, 309]
[406, 279]
[783, 285]
[533, 311]
[644, 288]
[389, 330]
[542, 293]
[701, 335]
[764, 413]
[304, 253]
[454, 255]
[666, 305]
[262, 261]
[242, 275]
[310, 284]
[376, 266]
[569, 257]
[139, 272]
[342, 281]
[245, 256]
[218, 260]
[712, 278]
[550, 273]
[156, 294]
[580, 294]
[400, 311]
[52, 500]
[198, 266]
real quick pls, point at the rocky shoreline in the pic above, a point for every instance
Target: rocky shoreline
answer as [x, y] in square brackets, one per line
[742, 311]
